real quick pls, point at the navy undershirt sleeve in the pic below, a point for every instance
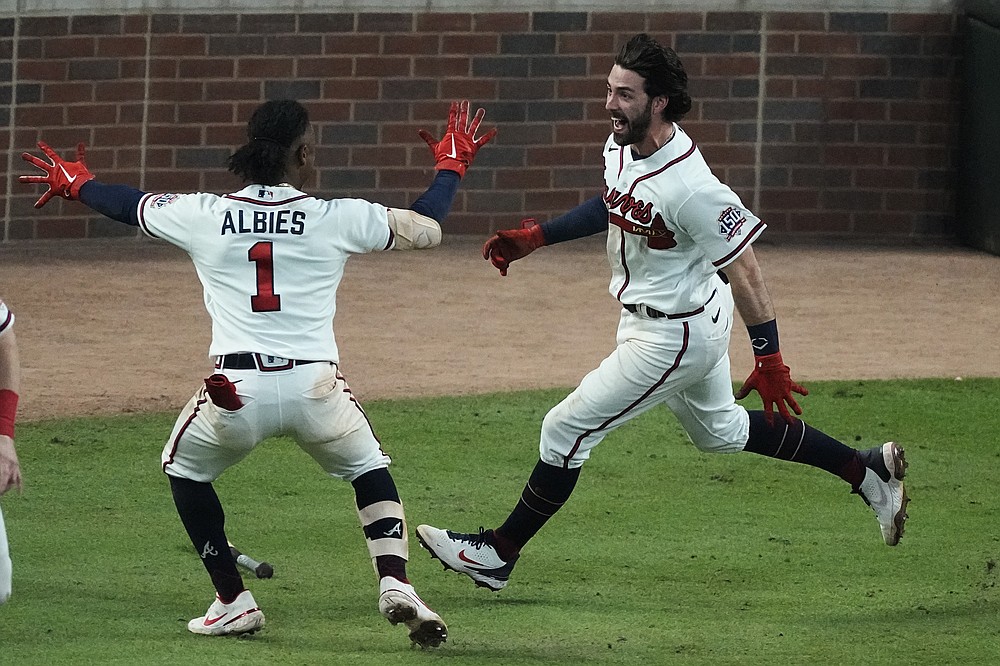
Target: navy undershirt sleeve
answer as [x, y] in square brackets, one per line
[119, 202]
[587, 219]
[436, 201]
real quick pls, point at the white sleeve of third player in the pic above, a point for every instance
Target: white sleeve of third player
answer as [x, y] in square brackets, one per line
[6, 318]
[719, 224]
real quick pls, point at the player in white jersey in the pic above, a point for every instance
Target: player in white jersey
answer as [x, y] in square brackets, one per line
[679, 245]
[10, 468]
[270, 258]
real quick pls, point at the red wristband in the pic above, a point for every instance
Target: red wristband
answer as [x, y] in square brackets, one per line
[8, 408]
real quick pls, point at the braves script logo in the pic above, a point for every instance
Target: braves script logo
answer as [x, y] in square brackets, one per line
[730, 222]
[646, 223]
[164, 200]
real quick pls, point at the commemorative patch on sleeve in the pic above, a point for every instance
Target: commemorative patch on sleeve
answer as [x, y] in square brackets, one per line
[164, 200]
[731, 221]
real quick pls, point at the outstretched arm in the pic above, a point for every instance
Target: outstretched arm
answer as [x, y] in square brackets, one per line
[509, 245]
[74, 181]
[419, 227]
[770, 377]
[10, 385]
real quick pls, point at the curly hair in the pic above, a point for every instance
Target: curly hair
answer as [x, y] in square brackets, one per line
[661, 70]
[273, 129]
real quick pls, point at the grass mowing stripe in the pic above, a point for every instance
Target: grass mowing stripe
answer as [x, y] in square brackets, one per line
[663, 555]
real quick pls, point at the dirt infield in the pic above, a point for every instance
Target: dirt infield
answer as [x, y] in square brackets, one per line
[117, 326]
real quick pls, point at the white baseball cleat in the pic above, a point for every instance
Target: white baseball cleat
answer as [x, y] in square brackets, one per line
[240, 617]
[398, 602]
[883, 490]
[469, 554]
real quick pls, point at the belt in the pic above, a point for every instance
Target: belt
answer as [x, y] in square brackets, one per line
[656, 314]
[262, 362]
[644, 309]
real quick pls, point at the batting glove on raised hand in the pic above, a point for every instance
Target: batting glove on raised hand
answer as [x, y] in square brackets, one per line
[513, 244]
[459, 145]
[773, 381]
[63, 178]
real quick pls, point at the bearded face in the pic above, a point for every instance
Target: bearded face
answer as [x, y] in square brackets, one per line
[631, 109]
[628, 129]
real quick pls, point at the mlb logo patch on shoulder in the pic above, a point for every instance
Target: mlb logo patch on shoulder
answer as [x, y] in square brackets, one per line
[731, 221]
[164, 200]
[263, 193]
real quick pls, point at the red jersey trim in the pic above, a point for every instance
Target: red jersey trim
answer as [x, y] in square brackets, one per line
[663, 168]
[257, 202]
[142, 211]
[739, 248]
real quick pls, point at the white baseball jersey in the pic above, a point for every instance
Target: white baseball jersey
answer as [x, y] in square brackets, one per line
[270, 260]
[673, 224]
[6, 318]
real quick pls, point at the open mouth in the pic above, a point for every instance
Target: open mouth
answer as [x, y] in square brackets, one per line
[618, 124]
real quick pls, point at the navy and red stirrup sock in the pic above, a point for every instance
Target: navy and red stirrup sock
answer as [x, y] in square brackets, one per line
[547, 490]
[798, 442]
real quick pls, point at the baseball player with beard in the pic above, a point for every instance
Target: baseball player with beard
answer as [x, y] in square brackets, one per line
[10, 468]
[680, 248]
[270, 258]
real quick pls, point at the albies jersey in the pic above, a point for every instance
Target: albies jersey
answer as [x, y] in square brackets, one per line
[672, 225]
[6, 318]
[270, 260]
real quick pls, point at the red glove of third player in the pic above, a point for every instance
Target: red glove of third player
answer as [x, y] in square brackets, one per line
[773, 382]
[509, 245]
[63, 178]
[459, 145]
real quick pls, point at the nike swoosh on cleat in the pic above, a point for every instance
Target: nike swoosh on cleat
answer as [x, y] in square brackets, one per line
[209, 623]
[71, 179]
[480, 565]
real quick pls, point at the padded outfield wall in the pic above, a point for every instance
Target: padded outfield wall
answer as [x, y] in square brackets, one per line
[829, 118]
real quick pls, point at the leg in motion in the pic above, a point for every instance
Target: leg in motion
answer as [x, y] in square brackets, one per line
[489, 557]
[234, 610]
[876, 474]
[384, 525]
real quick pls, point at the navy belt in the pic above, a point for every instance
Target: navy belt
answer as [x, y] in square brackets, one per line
[650, 312]
[656, 314]
[262, 362]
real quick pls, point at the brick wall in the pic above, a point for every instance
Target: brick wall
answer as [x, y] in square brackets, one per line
[856, 112]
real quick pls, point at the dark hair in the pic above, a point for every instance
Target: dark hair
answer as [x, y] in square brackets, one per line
[273, 129]
[662, 71]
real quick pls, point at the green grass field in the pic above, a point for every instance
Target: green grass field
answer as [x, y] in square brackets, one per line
[663, 555]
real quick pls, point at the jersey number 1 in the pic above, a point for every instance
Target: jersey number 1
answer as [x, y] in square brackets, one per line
[265, 300]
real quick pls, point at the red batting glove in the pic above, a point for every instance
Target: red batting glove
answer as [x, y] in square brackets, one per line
[63, 178]
[457, 148]
[509, 245]
[773, 382]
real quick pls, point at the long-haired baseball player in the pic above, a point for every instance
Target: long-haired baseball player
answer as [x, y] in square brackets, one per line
[270, 258]
[679, 245]
[10, 468]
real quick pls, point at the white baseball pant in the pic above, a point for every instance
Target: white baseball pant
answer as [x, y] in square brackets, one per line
[312, 403]
[683, 363]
